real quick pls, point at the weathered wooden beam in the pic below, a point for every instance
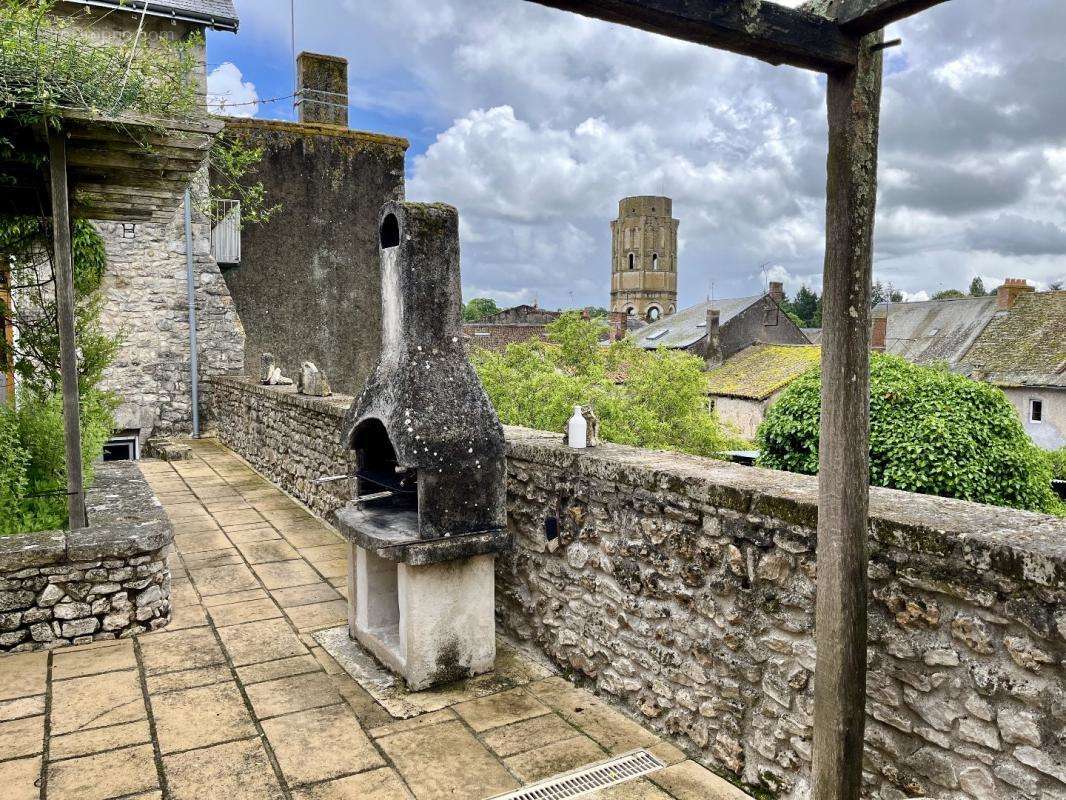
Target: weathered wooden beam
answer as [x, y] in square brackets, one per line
[854, 103]
[859, 17]
[68, 354]
[762, 30]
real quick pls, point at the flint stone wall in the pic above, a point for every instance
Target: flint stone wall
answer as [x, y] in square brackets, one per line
[108, 581]
[684, 588]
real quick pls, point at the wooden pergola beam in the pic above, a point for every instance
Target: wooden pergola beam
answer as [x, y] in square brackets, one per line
[766, 31]
[859, 17]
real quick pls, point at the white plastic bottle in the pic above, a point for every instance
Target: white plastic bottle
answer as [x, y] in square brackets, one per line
[577, 430]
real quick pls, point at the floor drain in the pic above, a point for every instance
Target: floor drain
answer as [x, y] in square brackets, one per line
[588, 779]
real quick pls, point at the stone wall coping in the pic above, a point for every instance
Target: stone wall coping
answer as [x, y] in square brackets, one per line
[316, 129]
[125, 519]
[1019, 544]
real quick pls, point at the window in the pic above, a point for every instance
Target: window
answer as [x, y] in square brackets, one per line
[1036, 410]
[655, 261]
[654, 313]
[658, 334]
[632, 261]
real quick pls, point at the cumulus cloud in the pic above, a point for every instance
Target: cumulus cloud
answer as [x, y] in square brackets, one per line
[228, 93]
[542, 120]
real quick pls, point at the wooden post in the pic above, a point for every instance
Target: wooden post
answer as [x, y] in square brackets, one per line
[854, 102]
[7, 330]
[68, 356]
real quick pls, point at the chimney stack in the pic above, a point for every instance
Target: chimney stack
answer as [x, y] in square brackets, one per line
[777, 291]
[712, 353]
[1007, 294]
[322, 89]
[878, 334]
[617, 320]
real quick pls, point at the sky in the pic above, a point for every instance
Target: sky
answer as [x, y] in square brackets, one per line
[534, 123]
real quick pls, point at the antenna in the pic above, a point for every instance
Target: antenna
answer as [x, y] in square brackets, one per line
[292, 44]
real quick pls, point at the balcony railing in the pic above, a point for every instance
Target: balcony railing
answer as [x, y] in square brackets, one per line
[226, 231]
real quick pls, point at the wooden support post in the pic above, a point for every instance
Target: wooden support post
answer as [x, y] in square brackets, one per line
[7, 331]
[68, 355]
[854, 102]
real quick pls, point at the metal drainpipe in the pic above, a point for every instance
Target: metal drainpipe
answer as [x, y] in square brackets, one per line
[194, 371]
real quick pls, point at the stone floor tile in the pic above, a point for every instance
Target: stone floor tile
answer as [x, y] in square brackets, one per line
[96, 701]
[668, 753]
[233, 771]
[202, 716]
[21, 707]
[257, 534]
[500, 709]
[215, 600]
[187, 616]
[272, 670]
[231, 500]
[187, 511]
[170, 651]
[78, 663]
[291, 694]
[446, 761]
[221, 580]
[196, 526]
[288, 516]
[23, 675]
[19, 778]
[613, 730]
[320, 744]
[266, 640]
[187, 679]
[199, 542]
[267, 551]
[237, 613]
[283, 574]
[555, 758]
[305, 595]
[378, 784]
[97, 740]
[319, 615]
[636, 790]
[399, 726]
[97, 777]
[213, 558]
[338, 568]
[690, 781]
[266, 500]
[22, 737]
[247, 516]
[323, 553]
[528, 734]
[310, 537]
[369, 711]
[328, 662]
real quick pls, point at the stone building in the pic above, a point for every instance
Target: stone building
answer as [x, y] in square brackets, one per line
[508, 326]
[644, 258]
[145, 284]
[717, 329]
[308, 286]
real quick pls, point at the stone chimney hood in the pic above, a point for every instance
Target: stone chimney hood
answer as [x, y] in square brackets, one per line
[429, 513]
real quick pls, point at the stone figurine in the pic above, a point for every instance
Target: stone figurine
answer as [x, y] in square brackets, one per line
[312, 381]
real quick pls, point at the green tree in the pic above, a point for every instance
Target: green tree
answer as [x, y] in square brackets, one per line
[479, 308]
[948, 294]
[808, 307]
[977, 287]
[654, 399]
[931, 431]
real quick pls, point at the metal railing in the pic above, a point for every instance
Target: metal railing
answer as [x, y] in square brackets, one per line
[226, 231]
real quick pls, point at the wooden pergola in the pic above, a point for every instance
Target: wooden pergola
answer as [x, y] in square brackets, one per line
[844, 40]
[118, 167]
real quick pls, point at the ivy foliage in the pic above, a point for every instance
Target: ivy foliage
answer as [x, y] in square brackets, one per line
[232, 162]
[655, 399]
[931, 431]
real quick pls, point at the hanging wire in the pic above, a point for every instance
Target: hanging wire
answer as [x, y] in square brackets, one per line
[129, 63]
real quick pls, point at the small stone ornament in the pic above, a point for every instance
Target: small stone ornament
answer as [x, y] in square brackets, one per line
[277, 379]
[312, 381]
[583, 414]
[266, 367]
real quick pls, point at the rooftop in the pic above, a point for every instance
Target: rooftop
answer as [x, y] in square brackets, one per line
[220, 14]
[689, 325]
[1026, 345]
[935, 330]
[758, 371]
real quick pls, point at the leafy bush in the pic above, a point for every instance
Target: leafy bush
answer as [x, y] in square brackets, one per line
[931, 431]
[1057, 459]
[654, 399]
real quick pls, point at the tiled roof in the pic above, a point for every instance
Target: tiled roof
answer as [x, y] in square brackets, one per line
[1025, 346]
[935, 330]
[814, 335]
[758, 371]
[216, 13]
[689, 325]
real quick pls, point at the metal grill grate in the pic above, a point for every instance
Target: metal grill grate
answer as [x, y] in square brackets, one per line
[580, 782]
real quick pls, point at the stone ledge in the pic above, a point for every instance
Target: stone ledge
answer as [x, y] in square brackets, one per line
[334, 406]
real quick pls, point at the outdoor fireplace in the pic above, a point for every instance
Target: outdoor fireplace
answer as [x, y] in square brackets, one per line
[429, 510]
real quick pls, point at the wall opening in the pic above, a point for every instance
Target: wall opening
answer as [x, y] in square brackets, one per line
[390, 231]
[632, 261]
[655, 261]
[123, 447]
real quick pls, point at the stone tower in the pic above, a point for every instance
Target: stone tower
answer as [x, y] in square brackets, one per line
[644, 258]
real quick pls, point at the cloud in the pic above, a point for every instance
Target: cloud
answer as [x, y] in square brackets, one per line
[1014, 235]
[228, 93]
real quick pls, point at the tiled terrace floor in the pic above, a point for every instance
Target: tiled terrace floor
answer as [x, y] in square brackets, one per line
[234, 700]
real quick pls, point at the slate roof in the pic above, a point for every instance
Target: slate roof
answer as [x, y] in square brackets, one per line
[689, 325]
[221, 14]
[935, 330]
[814, 335]
[758, 371]
[1025, 346]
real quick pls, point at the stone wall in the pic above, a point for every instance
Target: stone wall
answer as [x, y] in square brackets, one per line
[684, 588]
[497, 336]
[107, 581]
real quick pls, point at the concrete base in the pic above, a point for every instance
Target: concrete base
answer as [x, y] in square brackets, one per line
[430, 624]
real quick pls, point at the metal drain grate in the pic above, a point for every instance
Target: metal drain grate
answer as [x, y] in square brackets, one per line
[588, 779]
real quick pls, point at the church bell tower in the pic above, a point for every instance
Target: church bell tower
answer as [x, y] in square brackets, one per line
[644, 258]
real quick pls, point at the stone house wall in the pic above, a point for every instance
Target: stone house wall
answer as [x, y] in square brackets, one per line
[497, 336]
[684, 588]
[107, 581]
